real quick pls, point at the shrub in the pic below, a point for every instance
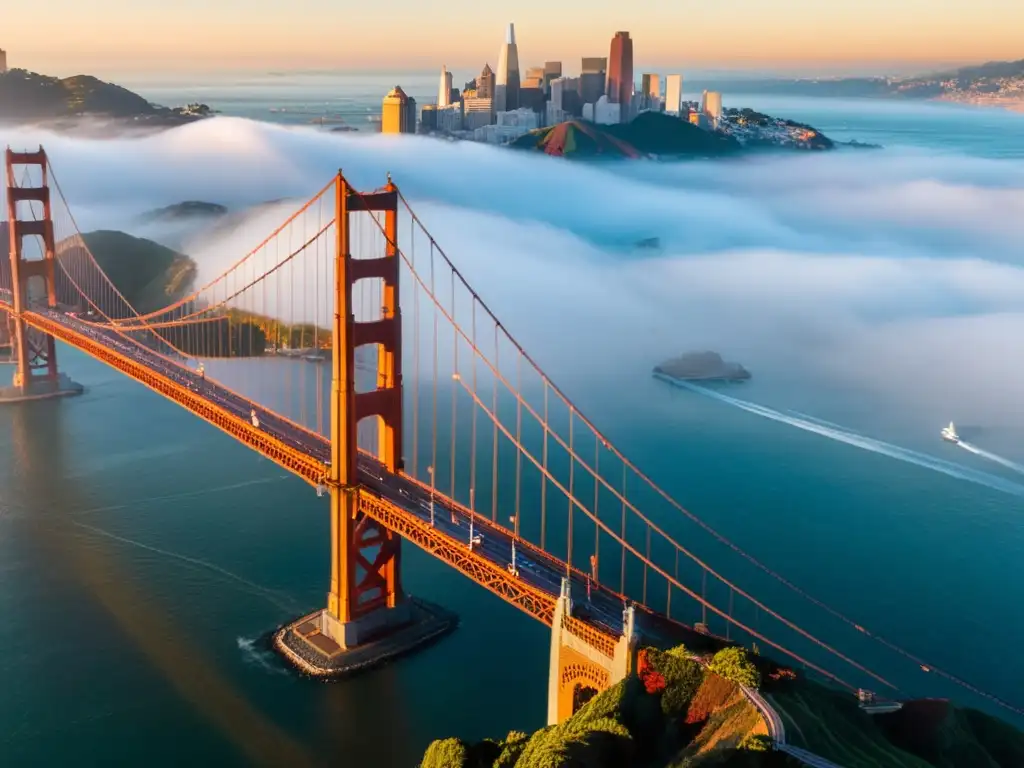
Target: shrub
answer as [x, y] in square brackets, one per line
[756, 743]
[734, 664]
[446, 753]
[682, 677]
[597, 743]
[511, 749]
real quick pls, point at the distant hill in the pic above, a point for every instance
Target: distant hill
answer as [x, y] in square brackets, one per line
[148, 274]
[946, 735]
[189, 209]
[650, 133]
[991, 83]
[28, 96]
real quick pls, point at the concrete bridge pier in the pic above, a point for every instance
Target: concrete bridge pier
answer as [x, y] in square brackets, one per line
[584, 661]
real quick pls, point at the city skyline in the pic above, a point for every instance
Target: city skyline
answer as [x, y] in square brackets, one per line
[849, 37]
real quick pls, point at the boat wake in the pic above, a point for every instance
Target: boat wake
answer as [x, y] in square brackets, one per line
[992, 457]
[843, 435]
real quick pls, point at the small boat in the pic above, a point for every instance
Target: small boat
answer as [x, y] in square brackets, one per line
[949, 434]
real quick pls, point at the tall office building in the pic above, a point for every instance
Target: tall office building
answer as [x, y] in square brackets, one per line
[485, 83]
[674, 94]
[650, 86]
[534, 78]
[592, 77]
[620, 73]
[444, 89]
[428, 118]
[506, 79]
[711, 105]
[552, 71]
[3, 61]
[398, 112]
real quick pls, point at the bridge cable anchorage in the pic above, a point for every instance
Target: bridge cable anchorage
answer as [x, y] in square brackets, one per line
[237, 315]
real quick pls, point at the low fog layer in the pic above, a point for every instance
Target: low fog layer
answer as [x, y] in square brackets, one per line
[896, 274]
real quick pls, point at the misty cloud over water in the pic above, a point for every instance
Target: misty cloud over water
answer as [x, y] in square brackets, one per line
[897, 273]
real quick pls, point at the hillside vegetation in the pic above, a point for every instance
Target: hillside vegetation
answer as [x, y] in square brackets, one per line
[650, 133]
[674, 714]
[29, 96]
[149, 275]
[679, 713]
[1004, 78]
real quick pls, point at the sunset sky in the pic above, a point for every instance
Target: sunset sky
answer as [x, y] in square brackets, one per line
[104, 36]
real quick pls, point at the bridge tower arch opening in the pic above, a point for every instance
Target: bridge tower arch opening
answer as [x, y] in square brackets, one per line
[583, 660]
[30, 236]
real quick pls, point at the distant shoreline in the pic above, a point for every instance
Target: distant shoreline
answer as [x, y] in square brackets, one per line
[1007, 103]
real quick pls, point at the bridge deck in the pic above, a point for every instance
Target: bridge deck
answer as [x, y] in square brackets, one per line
[399, 502]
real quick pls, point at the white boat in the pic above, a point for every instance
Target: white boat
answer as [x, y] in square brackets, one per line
[949, 433]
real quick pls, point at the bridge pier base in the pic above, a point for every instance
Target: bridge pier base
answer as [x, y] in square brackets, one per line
[584, 661]
[312, 645]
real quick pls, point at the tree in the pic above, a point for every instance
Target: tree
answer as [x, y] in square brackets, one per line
[446, 753]
[734, 664]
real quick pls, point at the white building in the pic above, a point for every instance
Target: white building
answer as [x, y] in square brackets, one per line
[449, 119]
[554, 109]
[510, 125]
[444, 89]
[606, 112]
[674, 94]
[506, 79]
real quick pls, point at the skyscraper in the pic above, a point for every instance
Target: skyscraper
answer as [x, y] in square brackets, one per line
[592, 77]
[712, 105]
[506, 79]
[3, 61]
[534, 78]
[552, 71]
[650, 86]
[444, 89]
[485, 83]
[398, 112]
[620, 73]
[674, 94]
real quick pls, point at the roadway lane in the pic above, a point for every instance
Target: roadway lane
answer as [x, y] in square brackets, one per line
[603, 609]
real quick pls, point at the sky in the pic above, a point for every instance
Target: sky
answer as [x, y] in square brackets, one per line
[805, 36]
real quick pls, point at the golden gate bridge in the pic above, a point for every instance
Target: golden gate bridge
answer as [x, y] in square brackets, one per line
[415, 410]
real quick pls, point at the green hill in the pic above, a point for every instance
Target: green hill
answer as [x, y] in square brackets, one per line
[149, 275]
[678, 713]
[29, 96]
[650, 133]
[655, 133]
[948, 736]
[189, 209]
[674, 714]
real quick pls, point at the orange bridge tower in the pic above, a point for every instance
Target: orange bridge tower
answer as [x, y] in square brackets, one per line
[365, 604]
[32, 282]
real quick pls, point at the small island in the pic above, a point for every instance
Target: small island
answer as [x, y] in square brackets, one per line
[700, 366]
[187, 210]
[29, 97]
